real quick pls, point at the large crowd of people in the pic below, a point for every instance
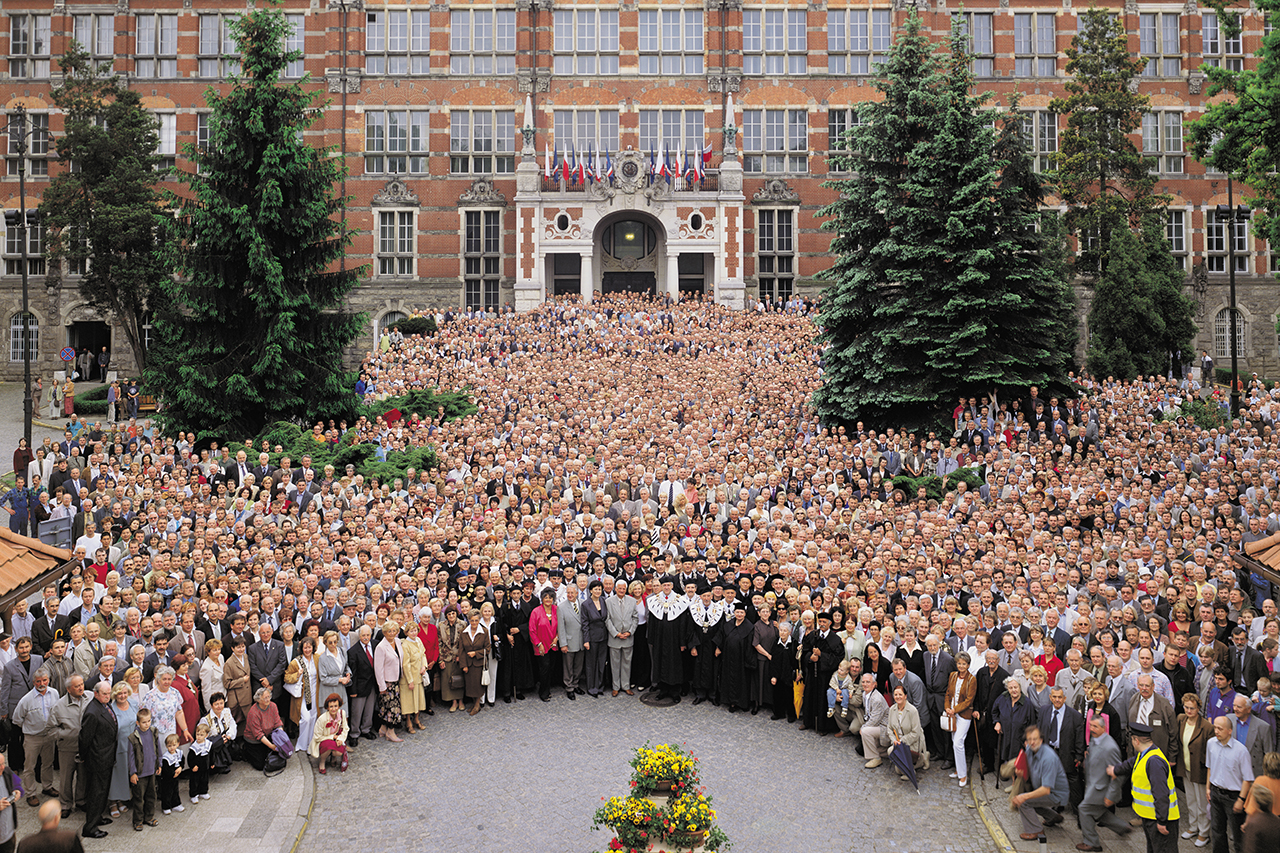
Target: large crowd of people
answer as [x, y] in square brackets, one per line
[644, 500]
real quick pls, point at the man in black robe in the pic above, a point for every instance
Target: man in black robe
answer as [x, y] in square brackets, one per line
[665, 625]
[687, 629]
[734, 648]
[706, 616]
[519, 646]
[991, 679]
[820, 657]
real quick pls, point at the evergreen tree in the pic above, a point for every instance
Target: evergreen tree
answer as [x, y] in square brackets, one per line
[1099, 173]
[102, 209]
[932, 295]
[257, 329]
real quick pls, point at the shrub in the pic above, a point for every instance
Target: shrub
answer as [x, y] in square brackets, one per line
[418, 325]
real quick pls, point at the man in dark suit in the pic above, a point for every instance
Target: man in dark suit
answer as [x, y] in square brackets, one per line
[160, 657]
[267, 662]
[938, 666]
[1064, 731]
[235, 472]
[991, 679]
[48, 627]
[821, 654]
[1247, 663]
[97, 747]
[363, 689]
[50, 839]
[1253, 731]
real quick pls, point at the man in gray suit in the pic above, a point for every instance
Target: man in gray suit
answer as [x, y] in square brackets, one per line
[875, 713]
[938, 666]
[1120, 691]
[622, 620]
[1257, 735]
[1101, 791]
[569, 630]
[916, 693]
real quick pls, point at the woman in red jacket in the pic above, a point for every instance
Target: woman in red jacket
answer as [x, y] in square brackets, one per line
[542, 633]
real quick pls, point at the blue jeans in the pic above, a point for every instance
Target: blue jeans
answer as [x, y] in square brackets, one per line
[831, 699]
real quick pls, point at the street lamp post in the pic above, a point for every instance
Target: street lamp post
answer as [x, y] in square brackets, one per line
[25, 219]
[1230, 215]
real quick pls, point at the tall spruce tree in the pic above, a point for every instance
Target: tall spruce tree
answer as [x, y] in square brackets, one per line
[103, 208]
[932, 294]
[256, 330]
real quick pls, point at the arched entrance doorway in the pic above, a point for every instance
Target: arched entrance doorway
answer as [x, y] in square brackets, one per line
[629, 250]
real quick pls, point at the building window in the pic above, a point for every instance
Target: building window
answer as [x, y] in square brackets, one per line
[395, 243]
[78, 258]
[1216, 243]
[97, 35]
[1040, 132]
[37, 160]
[217, 47]
[397, 42]
[29, 45]
[482, 258]
[1160, 44]
[1035, 46]
[13, 250]
[1162, 140]
[1222, 334]
[566, 274]
[775, 141]
[156, 54]
[775, 254]
[482, 41]
[857, 39]
[691, 272]
[672, 130]
[586, 131]
[388, 320]
[395, 142]
[16, 336]
[839, 121]
[586, 41]
[168, 146]
[775, 41]
[1176, 232]
[978, 28]
[296, 41]
[671, 41]
[482, 142]
[1219, 49]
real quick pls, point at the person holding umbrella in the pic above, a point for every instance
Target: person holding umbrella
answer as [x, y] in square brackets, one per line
[904, 729]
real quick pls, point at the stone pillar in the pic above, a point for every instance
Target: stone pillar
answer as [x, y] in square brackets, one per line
[588, 283]
[672, 284]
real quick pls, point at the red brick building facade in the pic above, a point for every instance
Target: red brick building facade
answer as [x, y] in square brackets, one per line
[430, 106]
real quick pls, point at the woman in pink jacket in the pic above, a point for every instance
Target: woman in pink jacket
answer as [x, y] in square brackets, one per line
[542, 633]
[386, 668]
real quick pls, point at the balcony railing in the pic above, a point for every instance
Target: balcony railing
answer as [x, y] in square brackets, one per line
[711, 183]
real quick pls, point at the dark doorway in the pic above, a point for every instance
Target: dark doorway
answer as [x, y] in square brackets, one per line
[92, 336]
[692, 275]
[630, 282]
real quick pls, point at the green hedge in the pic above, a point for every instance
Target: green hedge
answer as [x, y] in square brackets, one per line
[94, 401]
[933, 485]
[425, 326]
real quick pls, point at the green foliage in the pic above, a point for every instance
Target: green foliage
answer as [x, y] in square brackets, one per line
[256, 329]
[934, 291]
[94, 401]
[102, 208]
[1240, 134]
[934, 486]
[1099, 173]
[424, 325]
[1206, 415]
[1140, 315]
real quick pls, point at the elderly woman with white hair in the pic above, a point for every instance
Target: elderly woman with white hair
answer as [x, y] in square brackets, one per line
[165, 704]
[261, 720]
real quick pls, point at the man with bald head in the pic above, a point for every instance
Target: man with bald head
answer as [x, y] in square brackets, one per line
[97, 742]
[50, 839]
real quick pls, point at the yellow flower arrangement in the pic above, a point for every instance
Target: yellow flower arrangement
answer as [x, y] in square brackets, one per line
[662, 763]
[688, 813]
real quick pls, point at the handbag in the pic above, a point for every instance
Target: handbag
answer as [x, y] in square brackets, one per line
[456, 681]
[284, 746]
[484, 677]
[947, 723]
[275, 764]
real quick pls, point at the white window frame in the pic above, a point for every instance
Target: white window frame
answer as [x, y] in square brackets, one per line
[1160, 43]
[15, 337]
[396, 141]
[585, 41]
[1218, 50]
[167, 139]
[482, 142]
[1035, 40]
[1222, 333]
[296, 40]
[1040, 132]
[35, 250]
[397, 42]
[775, 41]
[481, 41]
[779, 285]
[677, 131]
[981, 42]
[215, 46]
[1175, 231]
[39, 141]
[839, 121]
[30, 34]
[481, 258]
[1162, 140]
[857, 39]
[96, 34]
[395, 250]
[156, 46]
[1215, 245]
[583, 130]
[774, 148]
[670, 41]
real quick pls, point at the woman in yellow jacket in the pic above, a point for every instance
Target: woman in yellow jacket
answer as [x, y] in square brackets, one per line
[413, 670]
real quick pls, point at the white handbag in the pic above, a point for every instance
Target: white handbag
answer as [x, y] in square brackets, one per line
[948, 723]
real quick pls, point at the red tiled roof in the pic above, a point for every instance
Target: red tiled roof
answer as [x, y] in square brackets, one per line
[23, 559]
[1263, 556]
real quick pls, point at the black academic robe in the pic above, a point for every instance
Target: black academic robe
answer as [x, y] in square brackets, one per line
[521, 650]
[736, 650]
[706, 665]
[817, 674]
[783, 670]
[665, 639]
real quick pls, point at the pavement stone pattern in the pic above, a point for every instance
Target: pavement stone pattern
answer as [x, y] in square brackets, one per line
[248, 813]
[1064, 837]
[528, 777]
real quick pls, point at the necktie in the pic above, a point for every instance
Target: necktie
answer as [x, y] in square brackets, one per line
[1053, 728]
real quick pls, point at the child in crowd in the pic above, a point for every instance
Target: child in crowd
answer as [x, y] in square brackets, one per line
[144, 764]
[198, 762]
[839, 689]
[170, 770]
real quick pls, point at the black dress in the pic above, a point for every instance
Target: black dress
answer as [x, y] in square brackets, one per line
[783, 670]
[736, 654]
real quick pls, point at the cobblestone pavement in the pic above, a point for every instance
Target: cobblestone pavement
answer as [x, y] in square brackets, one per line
[528, 777]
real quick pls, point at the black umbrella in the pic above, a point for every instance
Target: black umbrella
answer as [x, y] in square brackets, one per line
[900, 755]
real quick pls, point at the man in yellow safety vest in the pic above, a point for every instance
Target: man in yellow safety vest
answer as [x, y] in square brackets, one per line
[1155, 799]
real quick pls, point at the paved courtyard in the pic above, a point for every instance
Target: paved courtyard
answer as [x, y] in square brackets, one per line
[528, 776]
